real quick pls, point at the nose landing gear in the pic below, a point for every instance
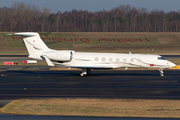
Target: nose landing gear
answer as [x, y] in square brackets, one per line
[85, 72]
[161, 72]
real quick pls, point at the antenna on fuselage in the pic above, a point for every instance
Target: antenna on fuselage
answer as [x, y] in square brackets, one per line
[130, 53]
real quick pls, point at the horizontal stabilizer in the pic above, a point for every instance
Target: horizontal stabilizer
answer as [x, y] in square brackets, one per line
[26, 34]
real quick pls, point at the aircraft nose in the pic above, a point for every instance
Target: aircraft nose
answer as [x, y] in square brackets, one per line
[171, 64]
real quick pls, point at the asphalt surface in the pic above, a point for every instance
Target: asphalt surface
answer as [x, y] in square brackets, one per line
[134, 84]
[16, 84]
[42, 83]
[23, 68]
[21, 117]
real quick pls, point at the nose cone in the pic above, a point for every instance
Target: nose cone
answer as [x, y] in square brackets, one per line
[171, 64]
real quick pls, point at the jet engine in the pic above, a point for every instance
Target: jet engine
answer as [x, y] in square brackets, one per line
[63, 56]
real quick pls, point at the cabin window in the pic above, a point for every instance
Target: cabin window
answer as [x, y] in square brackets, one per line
[103, 59]
[110, 59]
[96, 58]
[132, 60]
[71, 53]
[124, 59]
[161, 58]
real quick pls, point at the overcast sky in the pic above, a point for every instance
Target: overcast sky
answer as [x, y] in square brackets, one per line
[97, 5]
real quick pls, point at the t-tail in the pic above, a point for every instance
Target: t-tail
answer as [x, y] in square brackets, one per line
[35, 46]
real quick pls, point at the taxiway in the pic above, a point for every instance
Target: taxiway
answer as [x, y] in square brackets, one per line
[146, 84]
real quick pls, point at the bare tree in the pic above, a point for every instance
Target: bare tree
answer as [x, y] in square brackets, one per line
[44, 19]
[124, 18]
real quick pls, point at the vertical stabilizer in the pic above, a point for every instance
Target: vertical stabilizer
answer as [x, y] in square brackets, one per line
[35, 46]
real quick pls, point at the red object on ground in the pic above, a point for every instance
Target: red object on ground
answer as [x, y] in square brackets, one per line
[17, 38]
[43, 38]
[140, 40]
[109, 39]
[147, 40]
[85, 40]
[76, 39]
[71, 40]
[9, 63]
[122, 40]
[133, 40]
[114, 40]
[24, 61]
[103, 39]
[57, 39]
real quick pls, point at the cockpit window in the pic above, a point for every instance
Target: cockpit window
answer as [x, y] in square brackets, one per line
[161, 58]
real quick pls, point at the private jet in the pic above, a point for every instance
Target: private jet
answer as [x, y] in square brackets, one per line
[86, 61]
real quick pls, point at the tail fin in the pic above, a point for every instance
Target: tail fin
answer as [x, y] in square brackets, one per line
[35, 46]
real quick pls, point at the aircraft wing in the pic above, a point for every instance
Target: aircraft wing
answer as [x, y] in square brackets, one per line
[91, 66]
[49, 62]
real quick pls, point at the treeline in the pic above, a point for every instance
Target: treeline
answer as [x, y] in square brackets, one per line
[124, 18]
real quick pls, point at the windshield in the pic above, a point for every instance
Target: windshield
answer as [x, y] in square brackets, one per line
[161, 58]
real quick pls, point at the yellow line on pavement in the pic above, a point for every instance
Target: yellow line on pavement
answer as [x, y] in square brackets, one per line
[175, 67]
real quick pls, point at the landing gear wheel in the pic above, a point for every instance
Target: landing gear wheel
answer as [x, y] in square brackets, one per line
[81, 74]
[161, 75]
[161, 72]
[85, 72]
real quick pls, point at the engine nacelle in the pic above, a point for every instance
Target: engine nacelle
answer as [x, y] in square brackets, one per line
[62, 55]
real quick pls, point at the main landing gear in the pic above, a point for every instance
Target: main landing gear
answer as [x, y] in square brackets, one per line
[85, 72]
[161, 72]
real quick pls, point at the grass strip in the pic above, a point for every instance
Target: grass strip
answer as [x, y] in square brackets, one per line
[160, 42]
[95, 107]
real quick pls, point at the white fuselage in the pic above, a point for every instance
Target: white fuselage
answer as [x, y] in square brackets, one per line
[109, 60]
